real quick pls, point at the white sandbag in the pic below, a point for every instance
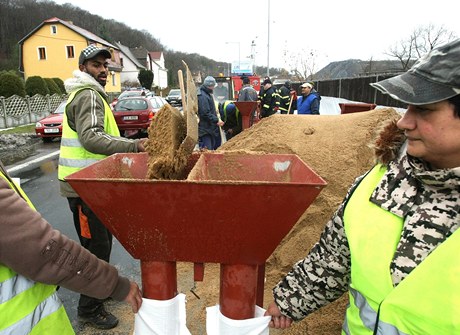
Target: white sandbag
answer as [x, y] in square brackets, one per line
[161, 317]
[219, 324]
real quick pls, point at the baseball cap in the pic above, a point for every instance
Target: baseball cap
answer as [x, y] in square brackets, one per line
[306, 85]
[92, 51]
[434, 77]
[209, 81]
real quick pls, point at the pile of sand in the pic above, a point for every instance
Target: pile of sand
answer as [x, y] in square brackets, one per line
[338, 149]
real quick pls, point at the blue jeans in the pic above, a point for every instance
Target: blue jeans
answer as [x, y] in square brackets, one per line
[207, 141]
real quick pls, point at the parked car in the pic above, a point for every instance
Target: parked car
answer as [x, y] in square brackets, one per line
[50, 127]
[174, 97]
[137, 92]
[134, 115]
[158, 102]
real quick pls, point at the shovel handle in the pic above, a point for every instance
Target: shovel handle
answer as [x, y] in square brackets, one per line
[182, 89]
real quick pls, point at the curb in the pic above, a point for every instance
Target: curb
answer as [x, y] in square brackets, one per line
[32, 164]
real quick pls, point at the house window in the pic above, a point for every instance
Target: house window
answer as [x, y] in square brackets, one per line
[53, 30]
[70, 51]
[41, 53]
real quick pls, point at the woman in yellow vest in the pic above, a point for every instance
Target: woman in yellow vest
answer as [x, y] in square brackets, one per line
[34, 258]
[393, 243]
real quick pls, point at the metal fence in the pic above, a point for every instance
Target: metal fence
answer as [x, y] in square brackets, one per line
[17, 111]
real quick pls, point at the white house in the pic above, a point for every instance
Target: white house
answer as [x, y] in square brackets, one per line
[157, 65]
[155, 62]
[131, 65]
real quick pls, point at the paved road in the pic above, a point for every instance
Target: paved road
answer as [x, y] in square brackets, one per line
[38, 175]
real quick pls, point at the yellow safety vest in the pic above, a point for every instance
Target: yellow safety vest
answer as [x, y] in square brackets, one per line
[427, 301]
[73, 156]
[28, 307]
[224, 108]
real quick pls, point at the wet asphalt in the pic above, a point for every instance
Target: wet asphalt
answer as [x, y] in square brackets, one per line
[38, 175]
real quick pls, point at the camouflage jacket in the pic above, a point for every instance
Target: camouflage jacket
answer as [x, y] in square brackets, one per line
[427, 199]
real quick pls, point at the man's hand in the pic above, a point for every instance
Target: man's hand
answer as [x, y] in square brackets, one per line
[141, 145]
[220, 123]
[134, 297]
[278, 321]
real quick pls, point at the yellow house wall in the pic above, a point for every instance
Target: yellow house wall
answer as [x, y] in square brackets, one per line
[57, 64]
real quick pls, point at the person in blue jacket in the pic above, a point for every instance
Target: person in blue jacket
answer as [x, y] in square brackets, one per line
[309, 100]
[209, 124]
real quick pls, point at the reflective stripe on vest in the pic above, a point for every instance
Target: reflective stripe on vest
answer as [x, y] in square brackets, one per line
[427, 301]
[73, 156]
[28, 307]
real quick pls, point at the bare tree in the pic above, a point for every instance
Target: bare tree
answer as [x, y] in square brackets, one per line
[303, 64]
[368, 66]
[422, 40]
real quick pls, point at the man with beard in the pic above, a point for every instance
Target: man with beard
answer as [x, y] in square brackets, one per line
[89, 134]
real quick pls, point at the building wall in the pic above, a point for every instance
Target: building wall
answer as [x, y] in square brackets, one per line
[56, 64]
[130, 71]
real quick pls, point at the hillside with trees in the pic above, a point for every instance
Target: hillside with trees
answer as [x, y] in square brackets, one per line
[19, 17]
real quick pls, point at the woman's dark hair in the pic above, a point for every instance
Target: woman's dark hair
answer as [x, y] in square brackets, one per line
[456, 102]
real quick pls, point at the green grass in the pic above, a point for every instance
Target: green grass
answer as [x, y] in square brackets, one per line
[18, 130]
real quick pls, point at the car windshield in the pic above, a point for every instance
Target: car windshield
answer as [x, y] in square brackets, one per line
[61, 108]
[127, 94]
[131, 105]
[155, 103]
[174, 93]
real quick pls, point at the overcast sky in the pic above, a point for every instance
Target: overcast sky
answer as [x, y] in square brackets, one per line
[333, 29]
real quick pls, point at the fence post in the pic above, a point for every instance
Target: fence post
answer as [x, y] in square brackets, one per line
[340, 88]
[375, 91]
[4, 112]
[29, 110]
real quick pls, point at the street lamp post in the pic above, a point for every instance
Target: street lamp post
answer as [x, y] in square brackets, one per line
[268, 43]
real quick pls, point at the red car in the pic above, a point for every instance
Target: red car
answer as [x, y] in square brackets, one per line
[133, 115]
[50, 127]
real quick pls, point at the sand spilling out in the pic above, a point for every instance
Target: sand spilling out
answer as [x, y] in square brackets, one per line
[167, 158]
[173, 135]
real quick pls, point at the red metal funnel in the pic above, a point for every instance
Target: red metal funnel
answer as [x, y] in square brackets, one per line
[236, 210]
[233, 209]
[247, 109]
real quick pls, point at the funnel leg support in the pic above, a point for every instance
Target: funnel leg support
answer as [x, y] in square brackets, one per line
[159, 280]
[246, 121]
[238, 284]
[260, 285]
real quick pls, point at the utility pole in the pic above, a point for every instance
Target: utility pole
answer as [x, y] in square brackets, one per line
[268, 42]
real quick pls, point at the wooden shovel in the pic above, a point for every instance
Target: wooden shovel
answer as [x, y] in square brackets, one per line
[290, 104]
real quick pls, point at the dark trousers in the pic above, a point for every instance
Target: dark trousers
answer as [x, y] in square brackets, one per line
[207, 142]
[99, 244]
